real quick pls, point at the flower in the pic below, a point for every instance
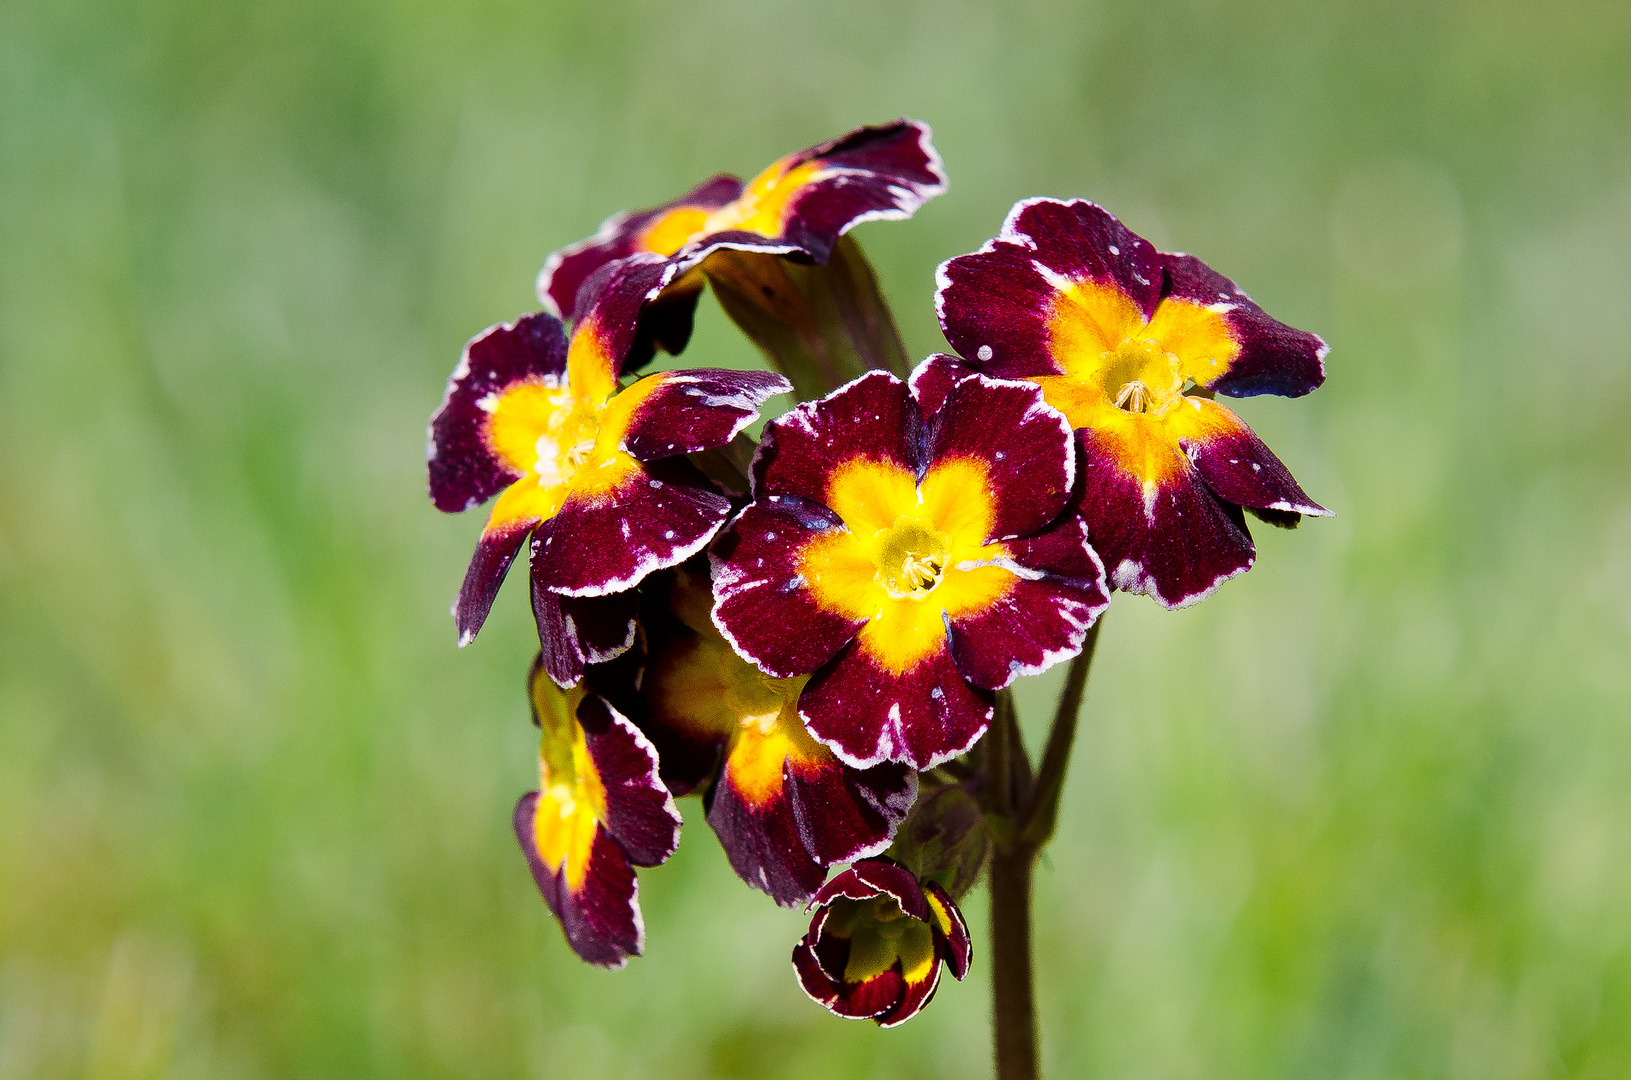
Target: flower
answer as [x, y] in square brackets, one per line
[797, 207]
[594, 473]
[782, 805]
[599, 811]
[1130, 344]
[905, 548]
[876, 943]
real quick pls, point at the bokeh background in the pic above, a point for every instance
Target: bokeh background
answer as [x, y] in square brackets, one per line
[1364, 814]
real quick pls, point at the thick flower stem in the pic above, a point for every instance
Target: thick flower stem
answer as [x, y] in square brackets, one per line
[1028, 810]
[1013, 1003]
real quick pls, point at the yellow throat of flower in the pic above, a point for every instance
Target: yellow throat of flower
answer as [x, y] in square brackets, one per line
[911, 559]
[1140, 376]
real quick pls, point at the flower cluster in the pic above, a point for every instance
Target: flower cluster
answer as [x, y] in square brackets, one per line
[815, 634]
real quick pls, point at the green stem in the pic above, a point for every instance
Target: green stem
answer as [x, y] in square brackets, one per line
[1041, 813]
[1013, 1002]
[1028, 811]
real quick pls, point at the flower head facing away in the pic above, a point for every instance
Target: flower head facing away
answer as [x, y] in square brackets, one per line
[592, 471]
[905, 547]
[1131, 344]
[599, 811]
[876, 943]
[797, 207]
[783, 806]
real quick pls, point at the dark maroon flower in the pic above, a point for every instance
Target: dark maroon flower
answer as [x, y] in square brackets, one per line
[1131, 343]
[784, 807]
[876, 943]
[905, 548]
[798, 207]
[592, 472]
[599, 811]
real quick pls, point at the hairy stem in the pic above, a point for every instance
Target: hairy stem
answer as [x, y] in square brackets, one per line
[1028, 810]
[1013, 1003]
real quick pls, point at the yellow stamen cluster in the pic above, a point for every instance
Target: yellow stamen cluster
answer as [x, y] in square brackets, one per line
[1140, 376]
[911, 559]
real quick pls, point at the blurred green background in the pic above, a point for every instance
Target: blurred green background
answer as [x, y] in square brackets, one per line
[1363, 814]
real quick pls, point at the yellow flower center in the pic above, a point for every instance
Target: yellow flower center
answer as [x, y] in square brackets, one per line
[1128, 379]
[911, 554]
[1140, 376]
[911, 558]
[702, 687]
[542, 429]
[560, 456]
[564, 436]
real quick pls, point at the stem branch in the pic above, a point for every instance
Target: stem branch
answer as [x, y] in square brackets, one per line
[1042, 812]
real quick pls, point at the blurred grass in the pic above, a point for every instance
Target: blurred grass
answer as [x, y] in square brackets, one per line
[1361, 815]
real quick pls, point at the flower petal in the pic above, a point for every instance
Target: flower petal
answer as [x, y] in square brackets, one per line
[623, 234]
[575, 631]
[1023, 444]
[658, 516]
[1059, 278]
[1042, 618]
[1269, 356]
[831, 951]
[682, 692]
[610, 305]
[846, 884]
[869, 714]
[949, 921]
[756, 827]
[1237, 465]
[666, 321]
[464, 470]
[875, 173]
[1166, 534]
[853, 1001]
[803, 203]
[843, 813]
[871, 417]
[885, 875]
[640, 812]
[762, 602]
[495, 550]
[933, 379]
[915, 997]
[686, 758]
[682, 412]
[601, 914]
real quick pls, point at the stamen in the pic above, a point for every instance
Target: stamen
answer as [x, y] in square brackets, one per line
[912, 559]
[556, 467]
[1134, 397]
[922, 571]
